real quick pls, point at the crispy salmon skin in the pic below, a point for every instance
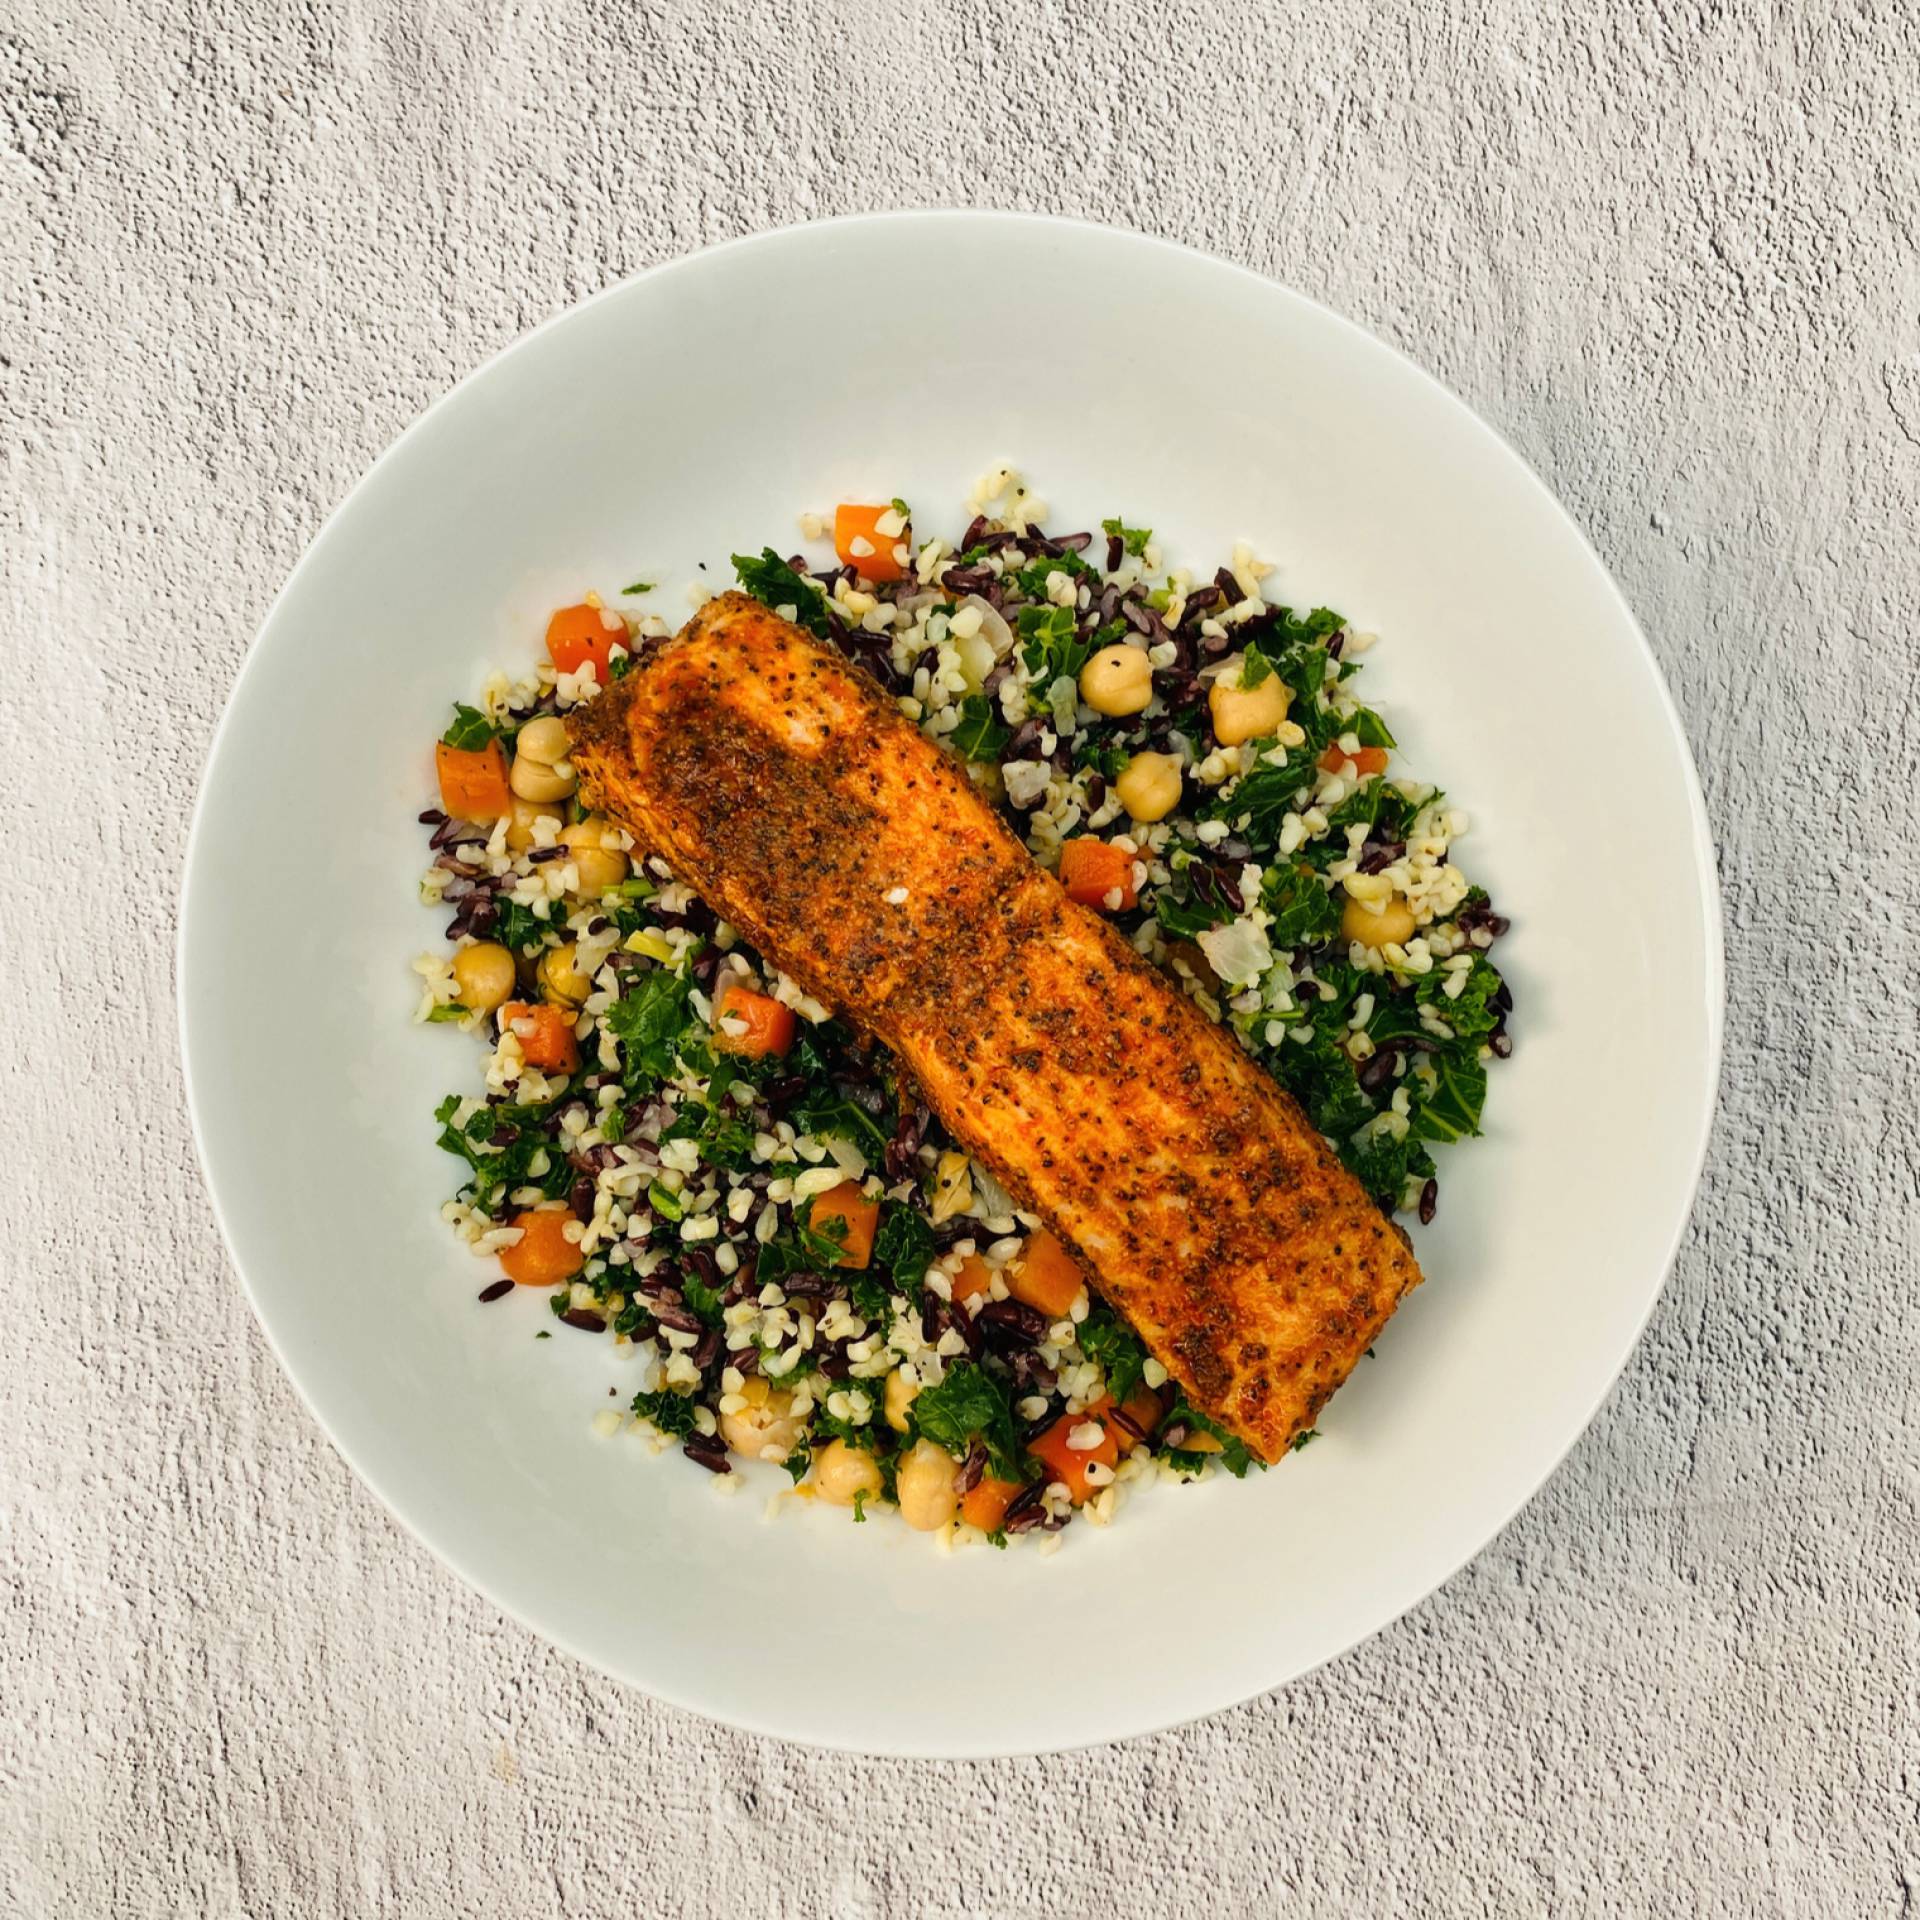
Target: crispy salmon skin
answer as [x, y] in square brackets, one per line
[785, 787]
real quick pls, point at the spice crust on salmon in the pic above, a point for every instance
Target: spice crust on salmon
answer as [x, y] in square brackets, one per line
[785, 787]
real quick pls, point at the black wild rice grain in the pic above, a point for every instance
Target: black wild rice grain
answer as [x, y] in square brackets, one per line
[585, 1319]
[1025, 743]
[707, 1450]
[537, 856]
[1027, 1512]
[671, 1311]
[1380, 854]
[1116, 552]
[959, 580]
[1008, 1325]
[1031, 1374]
[904, 1148]
[1378, 1069]
[497, 1291]
[1429, 1200]
[433, 817]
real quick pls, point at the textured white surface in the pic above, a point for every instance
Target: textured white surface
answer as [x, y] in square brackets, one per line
[1669, 252]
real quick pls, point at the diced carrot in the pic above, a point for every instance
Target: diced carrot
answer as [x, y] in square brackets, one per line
[473, 784]
[576, 635]
[985, 1503]
[543, 1256]
[861, 525]
[1365, 759]
[1092, 869]
[1142, 1408]
[1044, 1276]
[766, 1026]
[974, 1277]
[545, 1033]
[846, 1202]
[1069, 1464]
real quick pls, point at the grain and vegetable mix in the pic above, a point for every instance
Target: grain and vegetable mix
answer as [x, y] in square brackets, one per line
[705, 1167]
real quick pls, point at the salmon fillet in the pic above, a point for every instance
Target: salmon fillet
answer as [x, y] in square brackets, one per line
[786, 788]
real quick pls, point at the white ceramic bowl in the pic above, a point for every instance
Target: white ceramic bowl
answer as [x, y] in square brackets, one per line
[691, 413]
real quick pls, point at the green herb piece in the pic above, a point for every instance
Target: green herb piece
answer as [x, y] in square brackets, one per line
[981, 734]
[1254, 667]
[1134, 539]
[517, 926]
[1051, 648]
[968, 1405]
[1030, 581]
[825, 1113]
[901, 508]
[471, 729]
[650, 1019]
[1233, 1454]
[775, 584]
[1370, 729]
[1306, 1439]
[639, 586]
[665, 1202]
[1185, 917]
[1452, 1110]
[904, 1246]
[671, 1412]
[452, 1011]
[500, 1165]
[701, 1298]
[1264, 798]
[1104, 1337]
[1304, 912]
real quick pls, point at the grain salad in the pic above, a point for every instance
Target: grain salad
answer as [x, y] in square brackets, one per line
[707, 1168]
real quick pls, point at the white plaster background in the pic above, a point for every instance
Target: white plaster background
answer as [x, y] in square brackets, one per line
[1668, 249]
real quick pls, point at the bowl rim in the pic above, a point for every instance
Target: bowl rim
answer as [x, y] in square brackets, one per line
[1368, 1620]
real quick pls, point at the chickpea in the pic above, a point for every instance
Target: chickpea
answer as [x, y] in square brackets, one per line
[484, 974]
[924, 1487]
[764, 1429]
[535, 779]
[1149, 786]
[1388, 923]
[561, 978]
[902, 1391]
[842, 1473]
[544, 740]
[1245, 713]
[1117, 680]
[598, 865]
[520, 822]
